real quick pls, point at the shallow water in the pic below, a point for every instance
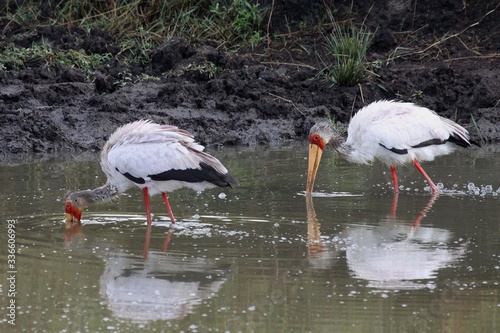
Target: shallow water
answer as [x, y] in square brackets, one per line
[260, 257]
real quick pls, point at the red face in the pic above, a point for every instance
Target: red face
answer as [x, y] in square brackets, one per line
[73, 214]
[315, 139]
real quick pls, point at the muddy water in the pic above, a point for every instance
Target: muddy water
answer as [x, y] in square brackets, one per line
[260, 257]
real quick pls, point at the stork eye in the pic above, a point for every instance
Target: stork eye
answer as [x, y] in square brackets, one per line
[315, 137]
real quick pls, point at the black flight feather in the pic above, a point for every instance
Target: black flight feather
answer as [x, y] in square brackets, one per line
[204, 173]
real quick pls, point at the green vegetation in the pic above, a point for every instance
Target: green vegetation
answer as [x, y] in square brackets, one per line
[483, 141]
[348, 45]
[144, 24]
[140, 26]
[16, 58]
[204, 68]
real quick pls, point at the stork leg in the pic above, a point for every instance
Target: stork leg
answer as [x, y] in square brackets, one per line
[146, 203]
[429, 181]
[395, 179]
[394, 206]
[167, 204]
[148, 217]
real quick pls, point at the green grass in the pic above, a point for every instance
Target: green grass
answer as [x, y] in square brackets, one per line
[201, 21]
[140, 26]
[348, 46]
[17, 58]
[477, 129]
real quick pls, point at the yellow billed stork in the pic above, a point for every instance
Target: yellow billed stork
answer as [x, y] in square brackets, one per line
[157, 159]
[394, 133]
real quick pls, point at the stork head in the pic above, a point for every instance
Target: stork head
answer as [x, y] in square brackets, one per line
[75, 203]
[319, 136]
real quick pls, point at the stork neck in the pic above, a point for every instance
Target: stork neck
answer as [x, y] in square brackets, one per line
[104, 193]
[339, 145]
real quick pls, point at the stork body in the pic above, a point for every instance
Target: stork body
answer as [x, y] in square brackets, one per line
[394, 133]
[157, 159]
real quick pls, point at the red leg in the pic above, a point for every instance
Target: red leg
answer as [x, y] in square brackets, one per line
[148, 217]
[394, 206]
[395, 179]
[146, 203]
[429, 181]
[167, 204]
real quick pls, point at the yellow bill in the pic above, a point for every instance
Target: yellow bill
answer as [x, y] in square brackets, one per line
[315, 154]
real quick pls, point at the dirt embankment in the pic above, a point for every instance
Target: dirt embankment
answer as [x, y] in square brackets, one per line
[434, 53]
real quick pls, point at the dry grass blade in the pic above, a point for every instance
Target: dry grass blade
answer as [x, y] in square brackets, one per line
[288, 101]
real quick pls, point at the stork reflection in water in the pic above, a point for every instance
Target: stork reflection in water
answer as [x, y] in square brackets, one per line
[390, 254]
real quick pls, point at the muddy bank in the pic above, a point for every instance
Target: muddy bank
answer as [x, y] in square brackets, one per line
[267, 96]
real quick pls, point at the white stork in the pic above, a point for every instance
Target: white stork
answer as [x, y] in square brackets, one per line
[394, 133]
[157, 159]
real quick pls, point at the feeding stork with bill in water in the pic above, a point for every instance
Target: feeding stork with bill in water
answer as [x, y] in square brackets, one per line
[155, 158]
[394, 133]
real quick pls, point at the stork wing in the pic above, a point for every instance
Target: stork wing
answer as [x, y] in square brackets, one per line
[147, 160]
[410, 131]
[144, 151]
[403, 126]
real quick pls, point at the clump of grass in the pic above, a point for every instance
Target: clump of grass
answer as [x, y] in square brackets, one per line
[348, 46]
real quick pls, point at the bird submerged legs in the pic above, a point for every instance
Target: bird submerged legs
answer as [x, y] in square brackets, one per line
[168, 236]
[148, 208]
[429, 181]
[167, 204]
[417, 165]
[146, 203]
[395, 179]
